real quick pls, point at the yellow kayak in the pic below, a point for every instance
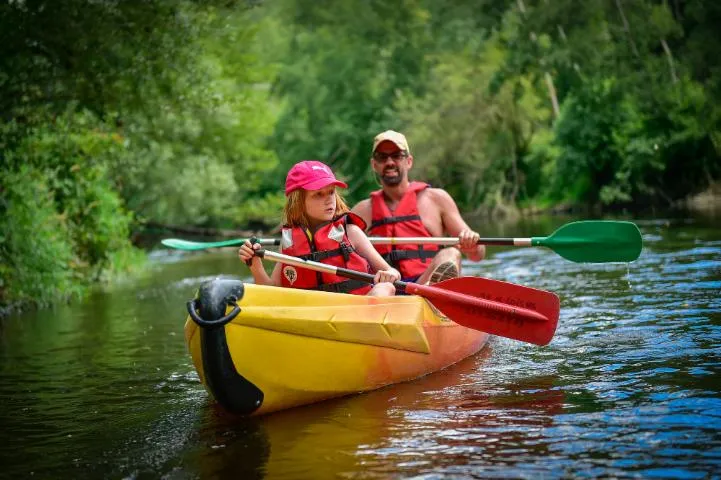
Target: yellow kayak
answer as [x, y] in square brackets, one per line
[261, 349]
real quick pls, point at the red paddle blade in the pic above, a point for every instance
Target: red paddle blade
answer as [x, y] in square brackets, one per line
[496, 307]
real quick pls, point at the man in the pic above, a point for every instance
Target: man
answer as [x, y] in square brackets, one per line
[414, 209]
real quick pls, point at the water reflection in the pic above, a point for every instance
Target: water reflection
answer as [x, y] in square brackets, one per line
[224, 446]
[461, 421]
[450, 418]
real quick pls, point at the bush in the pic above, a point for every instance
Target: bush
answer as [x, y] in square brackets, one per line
[63, 225]
[37, 260]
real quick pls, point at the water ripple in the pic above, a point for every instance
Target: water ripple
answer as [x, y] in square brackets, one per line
[627, 388]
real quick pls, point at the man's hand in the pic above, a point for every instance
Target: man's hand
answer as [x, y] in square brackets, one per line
[468, 244]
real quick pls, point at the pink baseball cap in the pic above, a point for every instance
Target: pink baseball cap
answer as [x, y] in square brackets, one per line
[310, 175]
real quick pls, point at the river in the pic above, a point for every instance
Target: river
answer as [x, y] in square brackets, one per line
[629, 386]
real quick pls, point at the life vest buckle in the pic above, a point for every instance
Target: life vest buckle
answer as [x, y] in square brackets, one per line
[345, 250]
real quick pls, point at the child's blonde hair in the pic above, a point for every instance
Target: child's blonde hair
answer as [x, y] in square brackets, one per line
[294, 212]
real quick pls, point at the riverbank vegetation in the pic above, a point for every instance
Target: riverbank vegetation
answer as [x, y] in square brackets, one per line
[114, 116]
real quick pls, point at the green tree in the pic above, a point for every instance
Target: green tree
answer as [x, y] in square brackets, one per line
[130, 113]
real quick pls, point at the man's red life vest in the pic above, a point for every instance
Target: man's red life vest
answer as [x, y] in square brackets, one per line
[330, 245]
[404, 221]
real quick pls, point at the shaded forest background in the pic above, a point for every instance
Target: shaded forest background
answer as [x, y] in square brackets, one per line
[116, 115]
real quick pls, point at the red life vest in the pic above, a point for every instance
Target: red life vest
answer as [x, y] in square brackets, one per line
[404, 221]
[330, 245]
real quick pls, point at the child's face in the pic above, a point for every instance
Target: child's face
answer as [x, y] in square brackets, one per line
[320, 204]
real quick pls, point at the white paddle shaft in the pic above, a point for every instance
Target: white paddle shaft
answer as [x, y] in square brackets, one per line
[518, 242]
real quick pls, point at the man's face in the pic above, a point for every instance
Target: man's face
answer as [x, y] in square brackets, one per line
[390, 163]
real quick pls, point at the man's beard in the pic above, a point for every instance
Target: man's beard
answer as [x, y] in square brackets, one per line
[390, 181]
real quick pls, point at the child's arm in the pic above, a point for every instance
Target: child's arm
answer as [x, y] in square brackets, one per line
[384, 272]
[256, 266]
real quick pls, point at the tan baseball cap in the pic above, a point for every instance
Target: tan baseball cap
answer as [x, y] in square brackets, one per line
[392, 136]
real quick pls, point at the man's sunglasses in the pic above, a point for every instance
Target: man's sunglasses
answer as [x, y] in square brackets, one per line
[381, 157]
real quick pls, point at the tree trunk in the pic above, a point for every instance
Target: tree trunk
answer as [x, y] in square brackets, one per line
[552, 94]
[627, 29]
[669, 56]
[549, 80]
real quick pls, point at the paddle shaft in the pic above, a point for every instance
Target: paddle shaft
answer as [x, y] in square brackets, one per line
[267, 241]
[409, 287]
[187, 244]
[518, 242]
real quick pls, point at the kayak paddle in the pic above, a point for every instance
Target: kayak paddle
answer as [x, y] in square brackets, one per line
[492, 306]
[596, 241]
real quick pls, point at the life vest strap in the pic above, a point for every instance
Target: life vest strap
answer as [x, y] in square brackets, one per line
[345, 250]
[341, 287]
[396, 255]
[387, 220]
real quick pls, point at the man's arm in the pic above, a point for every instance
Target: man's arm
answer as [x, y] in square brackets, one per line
[363, 210]
[455, 226]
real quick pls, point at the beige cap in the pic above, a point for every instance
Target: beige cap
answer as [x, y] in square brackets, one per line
[391, 136]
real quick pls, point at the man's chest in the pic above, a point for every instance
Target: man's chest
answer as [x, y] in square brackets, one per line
[429, 212]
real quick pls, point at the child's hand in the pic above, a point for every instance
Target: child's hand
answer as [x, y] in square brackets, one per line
[246, 252]
[391, 275]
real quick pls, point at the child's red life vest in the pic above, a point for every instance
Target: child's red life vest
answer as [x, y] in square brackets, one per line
[404, 221]
[330, 245]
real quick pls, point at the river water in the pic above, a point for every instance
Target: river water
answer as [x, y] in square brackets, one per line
[629, 386]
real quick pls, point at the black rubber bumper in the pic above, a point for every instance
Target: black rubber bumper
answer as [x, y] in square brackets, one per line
[230, 389]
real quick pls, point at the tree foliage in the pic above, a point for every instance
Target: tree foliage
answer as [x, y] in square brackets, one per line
[114, 114]
[128, 112]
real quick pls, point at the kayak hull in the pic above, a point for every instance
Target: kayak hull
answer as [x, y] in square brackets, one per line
[289, 347]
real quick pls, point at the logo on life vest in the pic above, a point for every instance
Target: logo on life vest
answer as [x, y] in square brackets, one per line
[336, 233]
[290, 274]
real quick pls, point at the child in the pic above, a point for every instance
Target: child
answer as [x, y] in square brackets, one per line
[320, 227]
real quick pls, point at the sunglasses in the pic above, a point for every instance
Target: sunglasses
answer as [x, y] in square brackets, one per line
[381, 157]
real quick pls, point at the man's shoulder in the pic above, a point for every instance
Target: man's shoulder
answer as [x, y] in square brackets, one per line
[363, 209]
[435, 195]
[363, 204]
[436, 201]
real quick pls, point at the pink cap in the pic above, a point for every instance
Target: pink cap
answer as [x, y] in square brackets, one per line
[310, 175]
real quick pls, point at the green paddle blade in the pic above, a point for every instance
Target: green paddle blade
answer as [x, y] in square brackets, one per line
[595, 241]
[188, 245]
